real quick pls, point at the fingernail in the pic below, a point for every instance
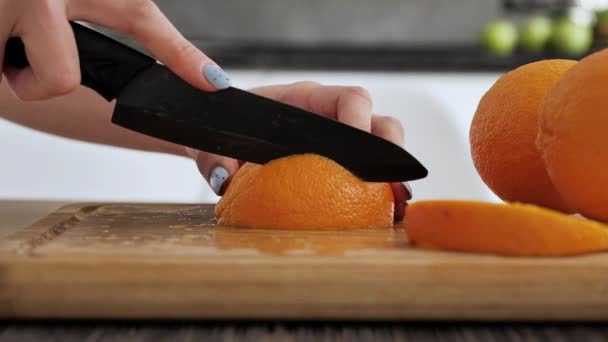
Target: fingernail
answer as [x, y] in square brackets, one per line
[216, 76]
[409, 190]
[217, 178]
[399, 211]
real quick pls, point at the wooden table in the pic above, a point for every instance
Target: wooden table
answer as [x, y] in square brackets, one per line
[15, 214]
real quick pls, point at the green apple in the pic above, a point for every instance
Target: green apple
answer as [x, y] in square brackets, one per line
[602, 25]
[536, 33]
[500, 37]
[602, 17]
[570, 38]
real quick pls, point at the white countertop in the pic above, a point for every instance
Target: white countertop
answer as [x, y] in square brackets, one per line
[435, 108]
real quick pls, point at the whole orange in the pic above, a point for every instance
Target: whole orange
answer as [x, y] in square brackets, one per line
[573, 136]
[304, 192]
[503, 134]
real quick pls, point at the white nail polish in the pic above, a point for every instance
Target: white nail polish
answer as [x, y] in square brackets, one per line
[217, 178]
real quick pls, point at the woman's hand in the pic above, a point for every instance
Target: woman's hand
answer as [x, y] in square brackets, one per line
[54, 70]
[350, 105]
[51, 50]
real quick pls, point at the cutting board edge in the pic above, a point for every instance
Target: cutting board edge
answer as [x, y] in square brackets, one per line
[324, 291]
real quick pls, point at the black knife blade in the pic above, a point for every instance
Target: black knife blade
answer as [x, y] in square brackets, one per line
[154, 101]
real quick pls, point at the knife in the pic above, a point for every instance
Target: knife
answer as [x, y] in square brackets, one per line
[152, 100]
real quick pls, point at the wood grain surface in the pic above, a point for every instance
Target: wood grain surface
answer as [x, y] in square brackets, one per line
[15, 215]
[172, 262]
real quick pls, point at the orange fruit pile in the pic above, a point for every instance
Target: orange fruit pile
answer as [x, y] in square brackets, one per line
[504, 229]
[503, 135]
[304, 192]
[539, 136]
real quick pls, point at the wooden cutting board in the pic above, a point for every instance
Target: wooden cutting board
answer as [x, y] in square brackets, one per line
[173, 261]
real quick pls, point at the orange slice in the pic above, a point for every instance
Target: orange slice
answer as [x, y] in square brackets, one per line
[505, 229]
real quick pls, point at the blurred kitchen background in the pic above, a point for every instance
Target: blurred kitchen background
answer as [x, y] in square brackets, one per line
[426, 62]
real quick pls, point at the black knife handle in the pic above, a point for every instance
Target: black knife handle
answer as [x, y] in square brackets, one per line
[106, 65]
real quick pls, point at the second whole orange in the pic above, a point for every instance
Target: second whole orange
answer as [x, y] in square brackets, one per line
[573, 136]
[503, 135]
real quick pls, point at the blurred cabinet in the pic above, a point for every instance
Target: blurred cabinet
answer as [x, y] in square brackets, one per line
[331, 22]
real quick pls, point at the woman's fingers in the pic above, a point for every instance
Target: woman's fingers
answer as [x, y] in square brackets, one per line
[51, 51]
[4, 35]
[143, 20]
[391, 129]
[350, 105]
[388, 128]
[402, 193]
[295, 94]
